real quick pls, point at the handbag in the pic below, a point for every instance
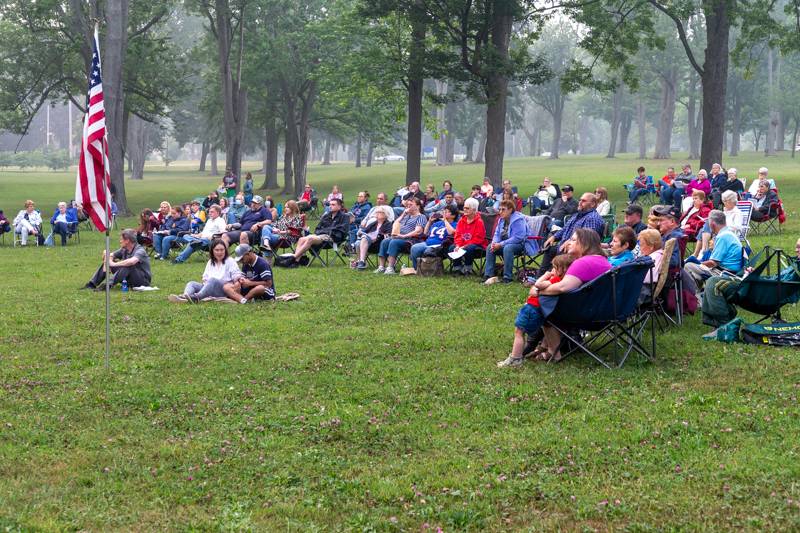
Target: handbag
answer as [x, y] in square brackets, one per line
[430, 266]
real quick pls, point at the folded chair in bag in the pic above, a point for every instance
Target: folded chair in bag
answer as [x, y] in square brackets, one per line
[530, 258]
[765, 292]
[603, 313]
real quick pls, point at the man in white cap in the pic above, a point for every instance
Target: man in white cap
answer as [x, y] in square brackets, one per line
[256, 283]
[248, 228]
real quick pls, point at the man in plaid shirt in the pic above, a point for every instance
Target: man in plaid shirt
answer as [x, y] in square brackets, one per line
[586, 217]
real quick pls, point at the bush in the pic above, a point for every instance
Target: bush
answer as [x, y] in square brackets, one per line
[6, 159]
[57, 159]
[33, 158]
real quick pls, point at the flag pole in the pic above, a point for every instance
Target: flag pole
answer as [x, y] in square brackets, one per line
[108, 224]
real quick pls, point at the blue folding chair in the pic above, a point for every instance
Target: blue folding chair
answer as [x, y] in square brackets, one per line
[604, 312]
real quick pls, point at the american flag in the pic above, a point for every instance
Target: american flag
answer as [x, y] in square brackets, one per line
[92, 187]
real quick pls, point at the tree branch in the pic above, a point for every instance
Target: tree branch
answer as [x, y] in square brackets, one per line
[681, 34]
[157, 18]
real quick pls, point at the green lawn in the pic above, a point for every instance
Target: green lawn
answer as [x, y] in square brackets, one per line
[373, 403]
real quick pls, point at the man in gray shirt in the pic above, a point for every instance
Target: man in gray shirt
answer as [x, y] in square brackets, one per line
[129, 263]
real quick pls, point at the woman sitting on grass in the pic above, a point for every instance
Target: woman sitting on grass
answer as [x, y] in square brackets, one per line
[220, 269]
[590, 263]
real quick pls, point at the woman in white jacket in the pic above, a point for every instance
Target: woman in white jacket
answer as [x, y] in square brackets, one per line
[28, 222]
[220, 269]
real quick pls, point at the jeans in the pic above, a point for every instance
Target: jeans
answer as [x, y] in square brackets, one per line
[268, 237]
[163, 243]
[509, 251]
[393, 247]
[636, 193]
[211, 288]
[353, 232]
[62, 229]
[666, 194]
[192, 245]
[417, 251]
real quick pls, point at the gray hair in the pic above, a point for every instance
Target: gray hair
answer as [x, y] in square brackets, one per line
[62, 203]
[472, 203]
[729, 195]
[733, 171]
[716, 217]
[129, 235]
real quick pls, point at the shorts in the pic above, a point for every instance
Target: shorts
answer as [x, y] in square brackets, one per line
[529, 319]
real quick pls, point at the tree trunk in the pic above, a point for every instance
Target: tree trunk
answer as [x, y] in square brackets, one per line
[116, 43]
[583, 135]
[624, 131]
[481, 148]
[794, 136]
[451, 110]
[736, 135]
[693, 123]
[370, 152]
[715, 80]
[203, 155]
[416, 64]
[214, 163]
[302, 135]
[497, 92]
[469, 145]
[270, 155]
[234, 97]
[326, 158]
[772, 124]
[616, 107]
[137, 146]
[358, 150]
[288, 175]
[666, 117]
[557, 118]
[642, 125]
[441, 128]
[757, 138]
[780, 132]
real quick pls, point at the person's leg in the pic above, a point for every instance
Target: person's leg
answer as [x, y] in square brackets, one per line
[232, 293]
[166, 245]
[470, 251]
[363, 248]
[519, 343]
[255, 292]
[383, 253]
[396, 246]
[266, 235]
[98, 278]
[62, 230]
[192, 288]
[488, 270]
[509, 252]
[158, 243]
[416, 252]
[351, 237]
[133, 275]
[23, 231]
[191, 246]
[305, 243]
[698, 272]
[213, 288]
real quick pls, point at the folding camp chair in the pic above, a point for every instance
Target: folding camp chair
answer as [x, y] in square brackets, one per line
[655, 304]
[603, 313]
[322, 252]
[769, 286]
[770, 225]
[651, 192]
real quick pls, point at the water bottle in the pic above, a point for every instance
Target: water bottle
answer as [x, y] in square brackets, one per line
[124, 285]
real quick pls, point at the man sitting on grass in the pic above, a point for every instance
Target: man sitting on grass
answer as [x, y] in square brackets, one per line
[256, 283]
[129, 263]
[333, 227]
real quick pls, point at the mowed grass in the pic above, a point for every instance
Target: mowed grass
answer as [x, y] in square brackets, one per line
[372, 403]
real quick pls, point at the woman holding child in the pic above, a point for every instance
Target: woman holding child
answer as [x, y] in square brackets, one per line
[587, 262]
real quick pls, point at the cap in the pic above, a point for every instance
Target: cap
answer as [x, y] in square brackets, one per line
[241, 251]
[257, 200]
[567, 188]
[668, 211]
[634, 208]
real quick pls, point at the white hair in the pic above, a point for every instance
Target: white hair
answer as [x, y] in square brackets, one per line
[733, 171]
[62, 203]
[763, 170]
[471, 202]
[729, 195]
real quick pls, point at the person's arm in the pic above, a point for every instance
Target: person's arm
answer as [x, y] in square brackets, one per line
[396, 225]
[124, 263]
[53, 218]
[567, 284]
[448, 227]
[517, 232]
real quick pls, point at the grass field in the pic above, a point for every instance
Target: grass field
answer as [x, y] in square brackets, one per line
[373, 403]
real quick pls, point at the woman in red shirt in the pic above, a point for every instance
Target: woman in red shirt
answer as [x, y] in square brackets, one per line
[470, 236]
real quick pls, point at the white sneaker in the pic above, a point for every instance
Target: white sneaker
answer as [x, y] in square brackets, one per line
[389, 270]
[177, 299]
[243, 301]
[379, 270]
[511, 362]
